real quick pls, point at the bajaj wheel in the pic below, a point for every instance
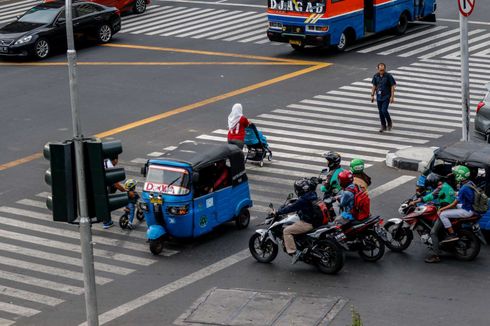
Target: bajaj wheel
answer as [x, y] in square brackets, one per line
[333, 257]
[399, 238]
[402, 25]
[140, 215]
[467, 247]
[124, 221]
[156, 246]
[243, 219]
[262, 252]
[373, 247]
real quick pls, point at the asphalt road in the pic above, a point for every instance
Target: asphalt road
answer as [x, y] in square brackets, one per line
[302, 112]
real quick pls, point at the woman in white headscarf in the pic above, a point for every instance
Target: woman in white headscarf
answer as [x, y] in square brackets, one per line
[236, 126]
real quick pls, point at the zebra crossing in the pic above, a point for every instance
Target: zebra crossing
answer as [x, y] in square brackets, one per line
[433, 42]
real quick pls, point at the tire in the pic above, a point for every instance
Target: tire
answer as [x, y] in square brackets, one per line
[334, 260]
[243, 219]
[372, 243]
[297, 47]
[343, 42]
[405, 237]
[140, 215]
[467, 239]
[402, 25]
[41, 49]
[156, 247]
[104, 34]
[124, 221]
[261, 164]
[265, 253]
[139, 7]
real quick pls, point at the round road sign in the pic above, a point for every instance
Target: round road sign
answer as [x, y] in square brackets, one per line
[466, 7]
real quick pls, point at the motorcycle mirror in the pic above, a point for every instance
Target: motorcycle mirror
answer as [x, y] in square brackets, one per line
[290, 196]
[195, 177]
[271, 206]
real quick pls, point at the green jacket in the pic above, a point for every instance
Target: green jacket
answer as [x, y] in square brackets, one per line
[441, 196]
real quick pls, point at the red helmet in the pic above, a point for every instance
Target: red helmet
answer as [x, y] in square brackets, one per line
[345, 178]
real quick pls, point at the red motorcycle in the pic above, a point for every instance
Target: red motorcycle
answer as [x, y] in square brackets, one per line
[421, 219]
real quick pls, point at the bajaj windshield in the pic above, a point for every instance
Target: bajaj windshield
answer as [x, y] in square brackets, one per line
[167, 180]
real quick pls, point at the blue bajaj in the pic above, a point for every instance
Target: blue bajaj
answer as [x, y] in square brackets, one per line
[191, 190]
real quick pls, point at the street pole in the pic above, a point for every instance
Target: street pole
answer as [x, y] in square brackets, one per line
[465, 76]
[85, 226]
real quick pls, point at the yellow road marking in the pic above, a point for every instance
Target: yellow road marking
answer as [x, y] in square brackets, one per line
[177, 63]
[315, 66]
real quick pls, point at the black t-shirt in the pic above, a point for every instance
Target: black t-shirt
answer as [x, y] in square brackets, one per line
[383, 86]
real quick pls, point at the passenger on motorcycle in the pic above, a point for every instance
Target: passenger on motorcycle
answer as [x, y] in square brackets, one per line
[361, 179]
[332, 186]
[305, 190]
[461, 207]
[442, 195]
[346, 197]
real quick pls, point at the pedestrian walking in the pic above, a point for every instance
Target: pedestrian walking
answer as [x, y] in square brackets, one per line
[384, 87]
[236, 126]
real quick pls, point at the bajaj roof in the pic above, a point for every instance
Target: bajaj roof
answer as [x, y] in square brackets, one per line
[468, 153]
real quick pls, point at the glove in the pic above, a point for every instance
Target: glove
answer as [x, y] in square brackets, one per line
[323, 188]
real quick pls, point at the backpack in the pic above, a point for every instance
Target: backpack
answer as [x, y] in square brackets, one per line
[362, 204]
[480, 203]
[320, 212]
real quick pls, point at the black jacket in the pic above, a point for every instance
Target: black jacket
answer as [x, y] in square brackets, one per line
[304, 206]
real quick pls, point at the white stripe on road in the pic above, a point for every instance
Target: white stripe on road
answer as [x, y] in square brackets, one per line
[59, 272]
[426, 63]
[202, 27]
[176, 19]
[192, 278]
[247, 23]
[440, 72]
[457, 47]
[402, 39]
[6, 322]
[195, 23]
[18, 310]
[55, 286]
[434, 78]
[150, 20]
[262, 35]
[33, 203]
[29, 296]
[244, 35]
[63, 259]
[235, 31]
[204, 15]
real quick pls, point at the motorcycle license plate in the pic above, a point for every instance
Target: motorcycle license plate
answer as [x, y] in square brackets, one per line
[340, 237]
[295, 42]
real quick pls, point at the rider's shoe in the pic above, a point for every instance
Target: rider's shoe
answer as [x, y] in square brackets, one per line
[450, 238]
[432, 259]
[296, 257]
[130, 226]
[108, 225]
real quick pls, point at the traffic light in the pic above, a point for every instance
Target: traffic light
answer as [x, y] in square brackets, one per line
[99, 179]
[61, 176]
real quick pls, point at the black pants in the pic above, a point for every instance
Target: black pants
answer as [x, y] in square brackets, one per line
[384, 115]
[434, 235]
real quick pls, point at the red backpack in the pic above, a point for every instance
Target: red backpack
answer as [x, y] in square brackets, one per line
[362, 204]
[320, 212]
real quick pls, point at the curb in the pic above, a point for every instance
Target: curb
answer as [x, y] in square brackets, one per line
[404, 159]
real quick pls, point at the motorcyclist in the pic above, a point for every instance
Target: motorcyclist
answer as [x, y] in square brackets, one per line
[305, 190]
[346, 197]
[361, 179]
[461, 207]
[331, 185]
[442, 195]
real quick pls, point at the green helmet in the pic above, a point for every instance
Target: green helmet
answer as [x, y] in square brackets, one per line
[357, 165]
[130, 184]
[461, 173]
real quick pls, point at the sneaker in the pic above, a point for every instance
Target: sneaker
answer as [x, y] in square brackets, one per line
[432, 259]
[296, 257]
[108, 225]
[382, 129]
[450, 238]
[130, 226]
[390, 126]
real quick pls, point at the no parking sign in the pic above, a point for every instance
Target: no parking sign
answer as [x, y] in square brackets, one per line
[466, 7]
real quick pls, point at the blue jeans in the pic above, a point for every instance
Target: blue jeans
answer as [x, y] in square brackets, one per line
[384, 115]
[132, 209]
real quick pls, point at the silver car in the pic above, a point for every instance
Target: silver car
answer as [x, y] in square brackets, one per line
[482, 119]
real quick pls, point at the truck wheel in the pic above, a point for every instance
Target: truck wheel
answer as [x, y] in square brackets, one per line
[343, 42]
[402, 25]
[243, 219]
[156, 247]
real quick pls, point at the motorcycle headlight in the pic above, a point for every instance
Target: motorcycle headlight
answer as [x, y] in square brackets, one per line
[23, 40]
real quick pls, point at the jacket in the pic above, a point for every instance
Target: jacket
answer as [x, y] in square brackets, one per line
[304, 206]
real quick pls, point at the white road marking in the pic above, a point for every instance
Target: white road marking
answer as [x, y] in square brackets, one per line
[18, 310]
[29, 296]
[194, 24]
[229, 18]
[54, 286]
[246, 24]
[390, 185]
[417, 43]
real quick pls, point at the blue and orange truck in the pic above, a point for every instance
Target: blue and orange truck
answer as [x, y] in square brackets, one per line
[341, 22]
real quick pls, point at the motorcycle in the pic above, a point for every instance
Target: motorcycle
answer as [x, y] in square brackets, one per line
[320, 247]
[421, 218]
[124, 219]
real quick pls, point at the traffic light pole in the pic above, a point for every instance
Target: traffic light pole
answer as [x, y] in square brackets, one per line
[465, 77]
[85, 226]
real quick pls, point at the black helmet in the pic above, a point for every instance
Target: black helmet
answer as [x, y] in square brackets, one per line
[302, 186]
[432, 181]
[333, 159]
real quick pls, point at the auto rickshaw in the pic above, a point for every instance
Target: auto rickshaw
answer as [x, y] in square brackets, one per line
[192, 189]
[476, 156]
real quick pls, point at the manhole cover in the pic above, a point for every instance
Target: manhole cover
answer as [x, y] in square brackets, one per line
[240, 307]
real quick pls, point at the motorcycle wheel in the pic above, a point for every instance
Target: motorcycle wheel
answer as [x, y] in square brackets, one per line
[124, 221]
[263, 253]
[333, 257]
[402, 240]
[468, 246]
[140, 215]
[374, 247]
[156, 247]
